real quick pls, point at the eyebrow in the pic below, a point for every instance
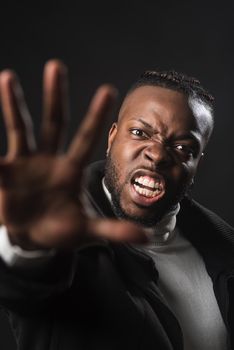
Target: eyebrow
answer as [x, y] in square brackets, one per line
[180, 137]
[146, 124]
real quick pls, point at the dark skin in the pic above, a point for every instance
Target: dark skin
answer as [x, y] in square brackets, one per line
[40, 186]
[159, 136]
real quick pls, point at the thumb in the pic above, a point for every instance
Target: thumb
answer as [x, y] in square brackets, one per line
[117, 231]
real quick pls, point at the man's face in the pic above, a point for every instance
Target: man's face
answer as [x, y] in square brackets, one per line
[154, 152]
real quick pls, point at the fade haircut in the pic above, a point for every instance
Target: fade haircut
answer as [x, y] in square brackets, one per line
[171, 79]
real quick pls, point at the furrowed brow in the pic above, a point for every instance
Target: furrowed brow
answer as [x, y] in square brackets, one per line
[187, 136]
[145, 124]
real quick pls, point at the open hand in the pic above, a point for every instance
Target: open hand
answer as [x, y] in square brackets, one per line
[40, 186]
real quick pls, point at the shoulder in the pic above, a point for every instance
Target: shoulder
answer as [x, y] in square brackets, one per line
[205, 229]
[193, 211]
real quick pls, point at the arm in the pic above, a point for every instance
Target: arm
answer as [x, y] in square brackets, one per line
[40, 186]
[15, 256]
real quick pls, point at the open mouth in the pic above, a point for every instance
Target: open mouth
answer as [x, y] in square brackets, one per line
[147, 188]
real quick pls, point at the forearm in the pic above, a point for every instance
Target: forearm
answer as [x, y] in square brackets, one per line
[28, 278]
[15, 256]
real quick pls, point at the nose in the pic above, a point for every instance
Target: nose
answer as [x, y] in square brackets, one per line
[157, 153]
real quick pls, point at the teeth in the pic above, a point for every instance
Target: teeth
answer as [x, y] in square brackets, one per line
[149, 182]
[145, 182]
[140, 180]
[145, 192]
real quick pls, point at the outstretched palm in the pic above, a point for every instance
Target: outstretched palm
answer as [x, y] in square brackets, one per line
[39, 186]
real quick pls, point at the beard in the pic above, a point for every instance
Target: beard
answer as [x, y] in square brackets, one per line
[152, 215]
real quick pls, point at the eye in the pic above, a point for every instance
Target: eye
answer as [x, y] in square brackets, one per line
[139, 133]
[185, 150]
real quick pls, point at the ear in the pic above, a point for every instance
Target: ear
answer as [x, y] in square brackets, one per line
[198, 166]
[201, 159]
[111, 137]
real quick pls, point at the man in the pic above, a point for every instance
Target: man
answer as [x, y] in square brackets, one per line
[74, 277]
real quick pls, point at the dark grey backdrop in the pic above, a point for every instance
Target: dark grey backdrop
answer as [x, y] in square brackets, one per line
[116, 41]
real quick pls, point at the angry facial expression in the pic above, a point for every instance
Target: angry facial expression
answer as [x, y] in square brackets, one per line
[154, 151]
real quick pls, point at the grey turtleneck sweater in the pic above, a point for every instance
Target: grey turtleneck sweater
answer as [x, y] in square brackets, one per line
[185, 284]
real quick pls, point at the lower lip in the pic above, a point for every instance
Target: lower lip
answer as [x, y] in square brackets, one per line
[145, 201]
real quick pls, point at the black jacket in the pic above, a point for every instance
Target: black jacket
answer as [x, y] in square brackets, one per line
[106, 296]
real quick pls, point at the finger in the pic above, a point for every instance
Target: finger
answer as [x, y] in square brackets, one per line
[100, 107]
[55, 106]
[17, 119]
[117, 231]
[64, 234]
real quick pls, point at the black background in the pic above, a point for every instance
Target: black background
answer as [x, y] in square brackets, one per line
[114, 42]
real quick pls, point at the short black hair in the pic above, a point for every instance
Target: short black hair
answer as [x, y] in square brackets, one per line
[171, 79]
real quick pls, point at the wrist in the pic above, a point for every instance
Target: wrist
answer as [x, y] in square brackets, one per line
[14, 255]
